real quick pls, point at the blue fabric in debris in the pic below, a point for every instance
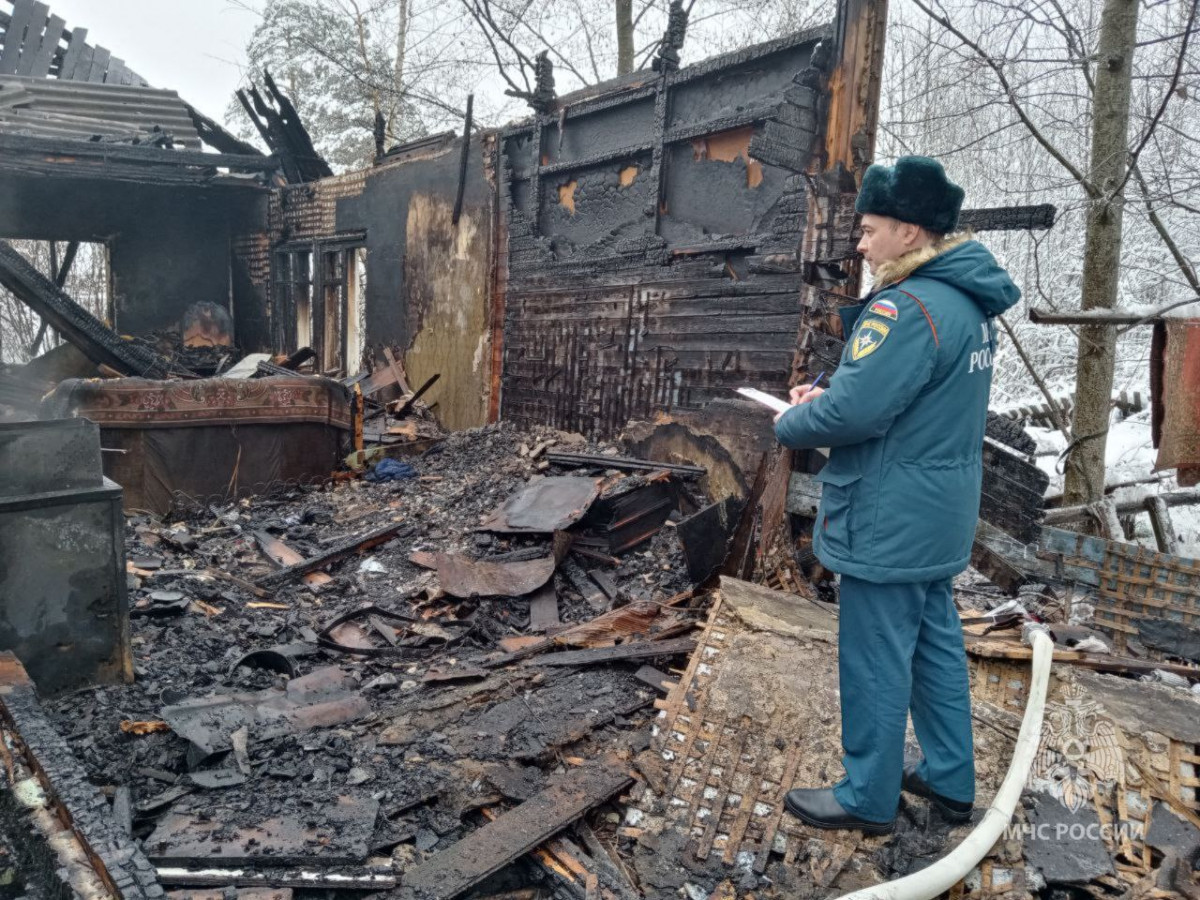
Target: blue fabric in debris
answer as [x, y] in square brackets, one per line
[390, 470]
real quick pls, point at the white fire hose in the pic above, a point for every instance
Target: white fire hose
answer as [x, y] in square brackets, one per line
[952, 868]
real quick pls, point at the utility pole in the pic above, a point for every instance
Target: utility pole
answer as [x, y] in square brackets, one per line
[1102, 253]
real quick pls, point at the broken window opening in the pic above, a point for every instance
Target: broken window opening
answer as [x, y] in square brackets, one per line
[357, 310]
[83, 270]
[321, 292]
[293, 285]
[333, 308]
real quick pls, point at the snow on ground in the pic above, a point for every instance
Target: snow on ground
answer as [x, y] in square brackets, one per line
[1129, 455]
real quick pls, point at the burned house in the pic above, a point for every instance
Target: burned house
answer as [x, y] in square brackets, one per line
[566, 637]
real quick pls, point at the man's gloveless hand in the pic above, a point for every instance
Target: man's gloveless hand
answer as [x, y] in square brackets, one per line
[802, 393]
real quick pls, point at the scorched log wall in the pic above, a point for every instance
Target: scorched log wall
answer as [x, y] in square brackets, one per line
[653, 234]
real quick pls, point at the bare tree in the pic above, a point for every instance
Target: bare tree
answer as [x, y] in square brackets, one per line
[624, 36]
[1023, 100]
[87, 282]
[348, 63]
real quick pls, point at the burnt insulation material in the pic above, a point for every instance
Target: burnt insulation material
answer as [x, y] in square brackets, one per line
[587, 212]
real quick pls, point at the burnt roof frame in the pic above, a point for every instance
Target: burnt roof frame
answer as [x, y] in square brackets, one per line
[35, 157]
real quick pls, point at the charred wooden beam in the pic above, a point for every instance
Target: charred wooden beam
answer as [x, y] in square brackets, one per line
[1008, 218]
[91, 151]
[213, 134]
[854, 85]
[1069, 514]
[463, 159]
[285, 133]
[452, 872]
[1090, 317]
[335, 554]
[252, 114]
[403, 406]
[1010, 433]
[620, 653]
[101, 345]
[623, 463]
[80, 842]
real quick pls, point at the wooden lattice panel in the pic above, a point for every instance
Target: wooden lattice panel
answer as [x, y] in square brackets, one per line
[1137, 583]
[1148, 767]
[754, 714]
[1002, 682]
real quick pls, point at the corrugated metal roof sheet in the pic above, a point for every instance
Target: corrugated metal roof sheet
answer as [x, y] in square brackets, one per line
[46, 107]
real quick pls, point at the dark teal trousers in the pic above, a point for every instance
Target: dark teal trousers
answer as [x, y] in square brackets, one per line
[900, 649]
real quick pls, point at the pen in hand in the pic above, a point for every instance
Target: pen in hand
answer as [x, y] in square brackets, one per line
[798, 399]
[804, 393]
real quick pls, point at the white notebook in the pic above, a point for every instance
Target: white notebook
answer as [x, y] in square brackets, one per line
[765, 399]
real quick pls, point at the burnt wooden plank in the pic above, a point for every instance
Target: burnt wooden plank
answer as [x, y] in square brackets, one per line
[116, 71]
[142, 156]
[705, 537]
[75, 50]
[658, 680]
[636, 650]
[41, 754]
[587, 588]
[1008, 218]
[335, 554]
[26, 15]
[83, 66]
[624, 463]
[454, 871]
[100, 58]
[37, 65]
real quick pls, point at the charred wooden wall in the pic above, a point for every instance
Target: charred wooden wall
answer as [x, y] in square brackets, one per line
[427, 277]
[652, 233]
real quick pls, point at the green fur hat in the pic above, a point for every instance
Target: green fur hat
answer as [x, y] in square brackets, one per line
[914, 190]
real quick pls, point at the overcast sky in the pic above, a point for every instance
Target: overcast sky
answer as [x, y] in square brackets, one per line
[195, 47]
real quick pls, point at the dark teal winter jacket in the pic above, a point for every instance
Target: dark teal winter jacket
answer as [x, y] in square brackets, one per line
[904, 416]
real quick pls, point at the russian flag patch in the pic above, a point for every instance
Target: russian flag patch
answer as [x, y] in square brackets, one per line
[885, 308]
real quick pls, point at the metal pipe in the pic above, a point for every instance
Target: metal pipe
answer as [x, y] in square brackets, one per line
[952, 868]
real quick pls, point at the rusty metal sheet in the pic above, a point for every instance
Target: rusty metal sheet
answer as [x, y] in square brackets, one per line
[466, 578]
[544, 505]
[339, 833]
[452, 872]
[320, 699]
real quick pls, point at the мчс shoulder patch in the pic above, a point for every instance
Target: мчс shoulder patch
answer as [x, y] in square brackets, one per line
[885, 308]
[870, 335]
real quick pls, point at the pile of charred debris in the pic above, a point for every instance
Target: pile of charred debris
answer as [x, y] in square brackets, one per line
[347, 680]
[502, 667]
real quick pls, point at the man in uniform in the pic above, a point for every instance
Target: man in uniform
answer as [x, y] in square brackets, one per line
[904, 419]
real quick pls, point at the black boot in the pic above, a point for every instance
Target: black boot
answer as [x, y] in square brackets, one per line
[819, 808]
[953, 810]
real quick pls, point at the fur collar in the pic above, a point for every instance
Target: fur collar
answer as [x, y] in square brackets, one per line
[900, 268]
